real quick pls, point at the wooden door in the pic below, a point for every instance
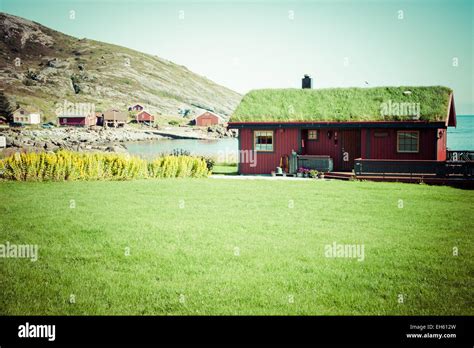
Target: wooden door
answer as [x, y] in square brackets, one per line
[350, 148]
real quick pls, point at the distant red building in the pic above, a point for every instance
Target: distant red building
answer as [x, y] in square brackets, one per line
[144, 116]
[77, 120]
[136, 107]
[207, 118]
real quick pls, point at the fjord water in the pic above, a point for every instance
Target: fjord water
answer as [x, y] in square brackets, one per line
[459, 138]
[462, 137]
[218, 147]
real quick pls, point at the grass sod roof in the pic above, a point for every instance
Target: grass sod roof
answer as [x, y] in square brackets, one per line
[342, 104]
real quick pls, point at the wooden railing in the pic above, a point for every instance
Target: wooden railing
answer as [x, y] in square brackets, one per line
[413, 168]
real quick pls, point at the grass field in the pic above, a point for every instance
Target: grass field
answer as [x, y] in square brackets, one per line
[215, 246]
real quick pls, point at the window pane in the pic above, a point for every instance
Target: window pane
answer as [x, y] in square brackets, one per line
[264, 140]
[408, 141]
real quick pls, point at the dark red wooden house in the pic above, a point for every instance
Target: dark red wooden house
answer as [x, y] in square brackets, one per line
[343, 125]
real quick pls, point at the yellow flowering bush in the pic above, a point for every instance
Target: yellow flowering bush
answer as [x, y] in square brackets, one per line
[68, 165]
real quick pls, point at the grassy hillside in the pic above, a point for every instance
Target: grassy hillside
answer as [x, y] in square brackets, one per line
[208, 246]
[341, 104]
[55, 67]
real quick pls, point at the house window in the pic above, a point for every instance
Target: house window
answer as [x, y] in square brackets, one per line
[263, 141]
[312, 134]
[408, 141]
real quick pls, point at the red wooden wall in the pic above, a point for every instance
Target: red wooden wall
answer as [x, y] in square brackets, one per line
[285, 140]
[334, 142]
[382, 144]
[363, 143]
[324, 145]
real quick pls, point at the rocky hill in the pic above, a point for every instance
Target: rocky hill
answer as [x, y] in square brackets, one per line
[41, 68]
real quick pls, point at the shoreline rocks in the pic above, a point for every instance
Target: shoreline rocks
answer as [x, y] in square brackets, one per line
[76, 139]
[96, 138]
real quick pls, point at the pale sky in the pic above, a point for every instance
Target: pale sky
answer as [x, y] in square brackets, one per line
[246, 45]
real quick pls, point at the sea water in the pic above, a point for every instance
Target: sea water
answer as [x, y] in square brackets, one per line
[462, 137]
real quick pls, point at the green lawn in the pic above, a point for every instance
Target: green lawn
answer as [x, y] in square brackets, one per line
[225, 169]
[226, 246]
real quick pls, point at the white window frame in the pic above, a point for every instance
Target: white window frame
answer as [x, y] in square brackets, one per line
[263, 147]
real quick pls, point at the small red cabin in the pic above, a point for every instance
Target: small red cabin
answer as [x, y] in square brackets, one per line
[77, 120]
[144, 116]
[207, 118]
[343, 124]
[136, 107]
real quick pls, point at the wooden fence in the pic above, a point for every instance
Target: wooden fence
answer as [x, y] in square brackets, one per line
[367, 167]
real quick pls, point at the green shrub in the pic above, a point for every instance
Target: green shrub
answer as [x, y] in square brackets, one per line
[210, 162]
